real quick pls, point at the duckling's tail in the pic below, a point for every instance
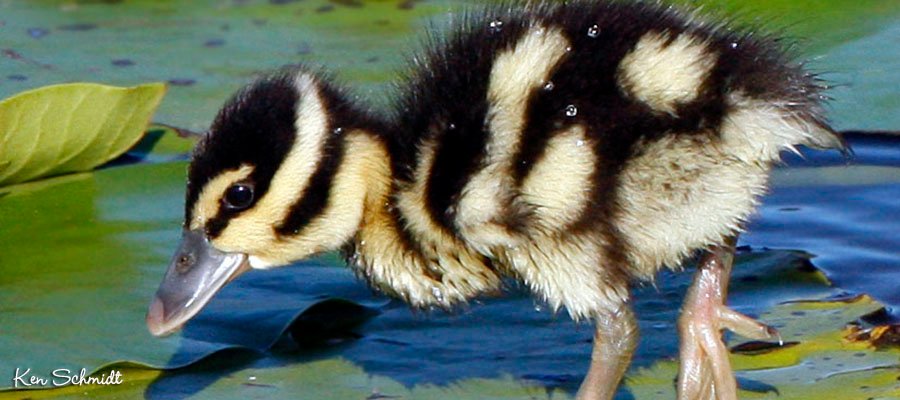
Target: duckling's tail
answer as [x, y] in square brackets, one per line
[820, 135]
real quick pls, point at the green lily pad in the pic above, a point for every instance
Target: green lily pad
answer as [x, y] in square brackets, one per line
[67, 128]
[816, 25]
[823, 365]
[204, 49]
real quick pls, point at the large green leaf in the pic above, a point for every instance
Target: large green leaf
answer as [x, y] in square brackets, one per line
[67, 128]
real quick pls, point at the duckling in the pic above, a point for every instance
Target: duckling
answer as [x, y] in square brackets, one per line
[578, 147]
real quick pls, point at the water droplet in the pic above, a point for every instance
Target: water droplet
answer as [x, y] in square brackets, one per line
[496, 26]
[734, 45]
[571, 110]
[438, 295]
[579, 143]
[451, 126]
[538, 307]
[568, 48]
[338, 130]
[593, 31]
[549, 86]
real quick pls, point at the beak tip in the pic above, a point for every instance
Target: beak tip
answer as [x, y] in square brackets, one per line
[196, 272]
[156, 319]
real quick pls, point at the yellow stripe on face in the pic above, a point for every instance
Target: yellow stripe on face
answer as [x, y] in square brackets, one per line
[207, 205]
[515, 74]
[254, 228]
[663, 74]
[364, 169]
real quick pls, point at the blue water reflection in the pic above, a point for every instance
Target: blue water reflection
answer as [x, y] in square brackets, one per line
[849, 215]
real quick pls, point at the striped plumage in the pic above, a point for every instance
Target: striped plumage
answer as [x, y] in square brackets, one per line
[616, 107]
[577, 147]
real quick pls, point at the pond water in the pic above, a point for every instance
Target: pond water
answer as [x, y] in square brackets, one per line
[843, 211]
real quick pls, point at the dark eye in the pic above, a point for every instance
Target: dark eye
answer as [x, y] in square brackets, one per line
[239, 196]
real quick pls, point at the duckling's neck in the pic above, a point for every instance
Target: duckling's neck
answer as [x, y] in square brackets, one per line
[392, 259]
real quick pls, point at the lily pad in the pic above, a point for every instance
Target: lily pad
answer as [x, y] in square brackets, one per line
[74, 127]
[205, 49]
[823, 365]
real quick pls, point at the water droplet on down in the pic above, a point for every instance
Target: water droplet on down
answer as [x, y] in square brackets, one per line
[593, 31]
[571, 110]
[496, 26]
[438, 295]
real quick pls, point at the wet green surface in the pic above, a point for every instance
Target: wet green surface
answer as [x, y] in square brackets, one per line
[206, 49]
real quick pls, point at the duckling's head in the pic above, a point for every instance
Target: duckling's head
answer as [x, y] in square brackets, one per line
[269, 184]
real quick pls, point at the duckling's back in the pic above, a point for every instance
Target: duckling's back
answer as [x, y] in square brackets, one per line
[584, 144]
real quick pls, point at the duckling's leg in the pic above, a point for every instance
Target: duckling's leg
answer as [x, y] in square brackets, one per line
[615, 338]
[705, 371]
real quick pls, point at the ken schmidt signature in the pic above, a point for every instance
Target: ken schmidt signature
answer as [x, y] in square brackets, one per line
[63, 376]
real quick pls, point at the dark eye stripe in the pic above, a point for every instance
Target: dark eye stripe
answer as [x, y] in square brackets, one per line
[316, 195]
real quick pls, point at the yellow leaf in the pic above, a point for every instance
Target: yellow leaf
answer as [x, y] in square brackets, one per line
[72, 127]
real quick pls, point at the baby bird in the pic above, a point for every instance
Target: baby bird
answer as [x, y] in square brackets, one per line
[578, 147]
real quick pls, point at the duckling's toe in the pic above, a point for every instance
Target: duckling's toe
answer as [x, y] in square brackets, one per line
[705, 371]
